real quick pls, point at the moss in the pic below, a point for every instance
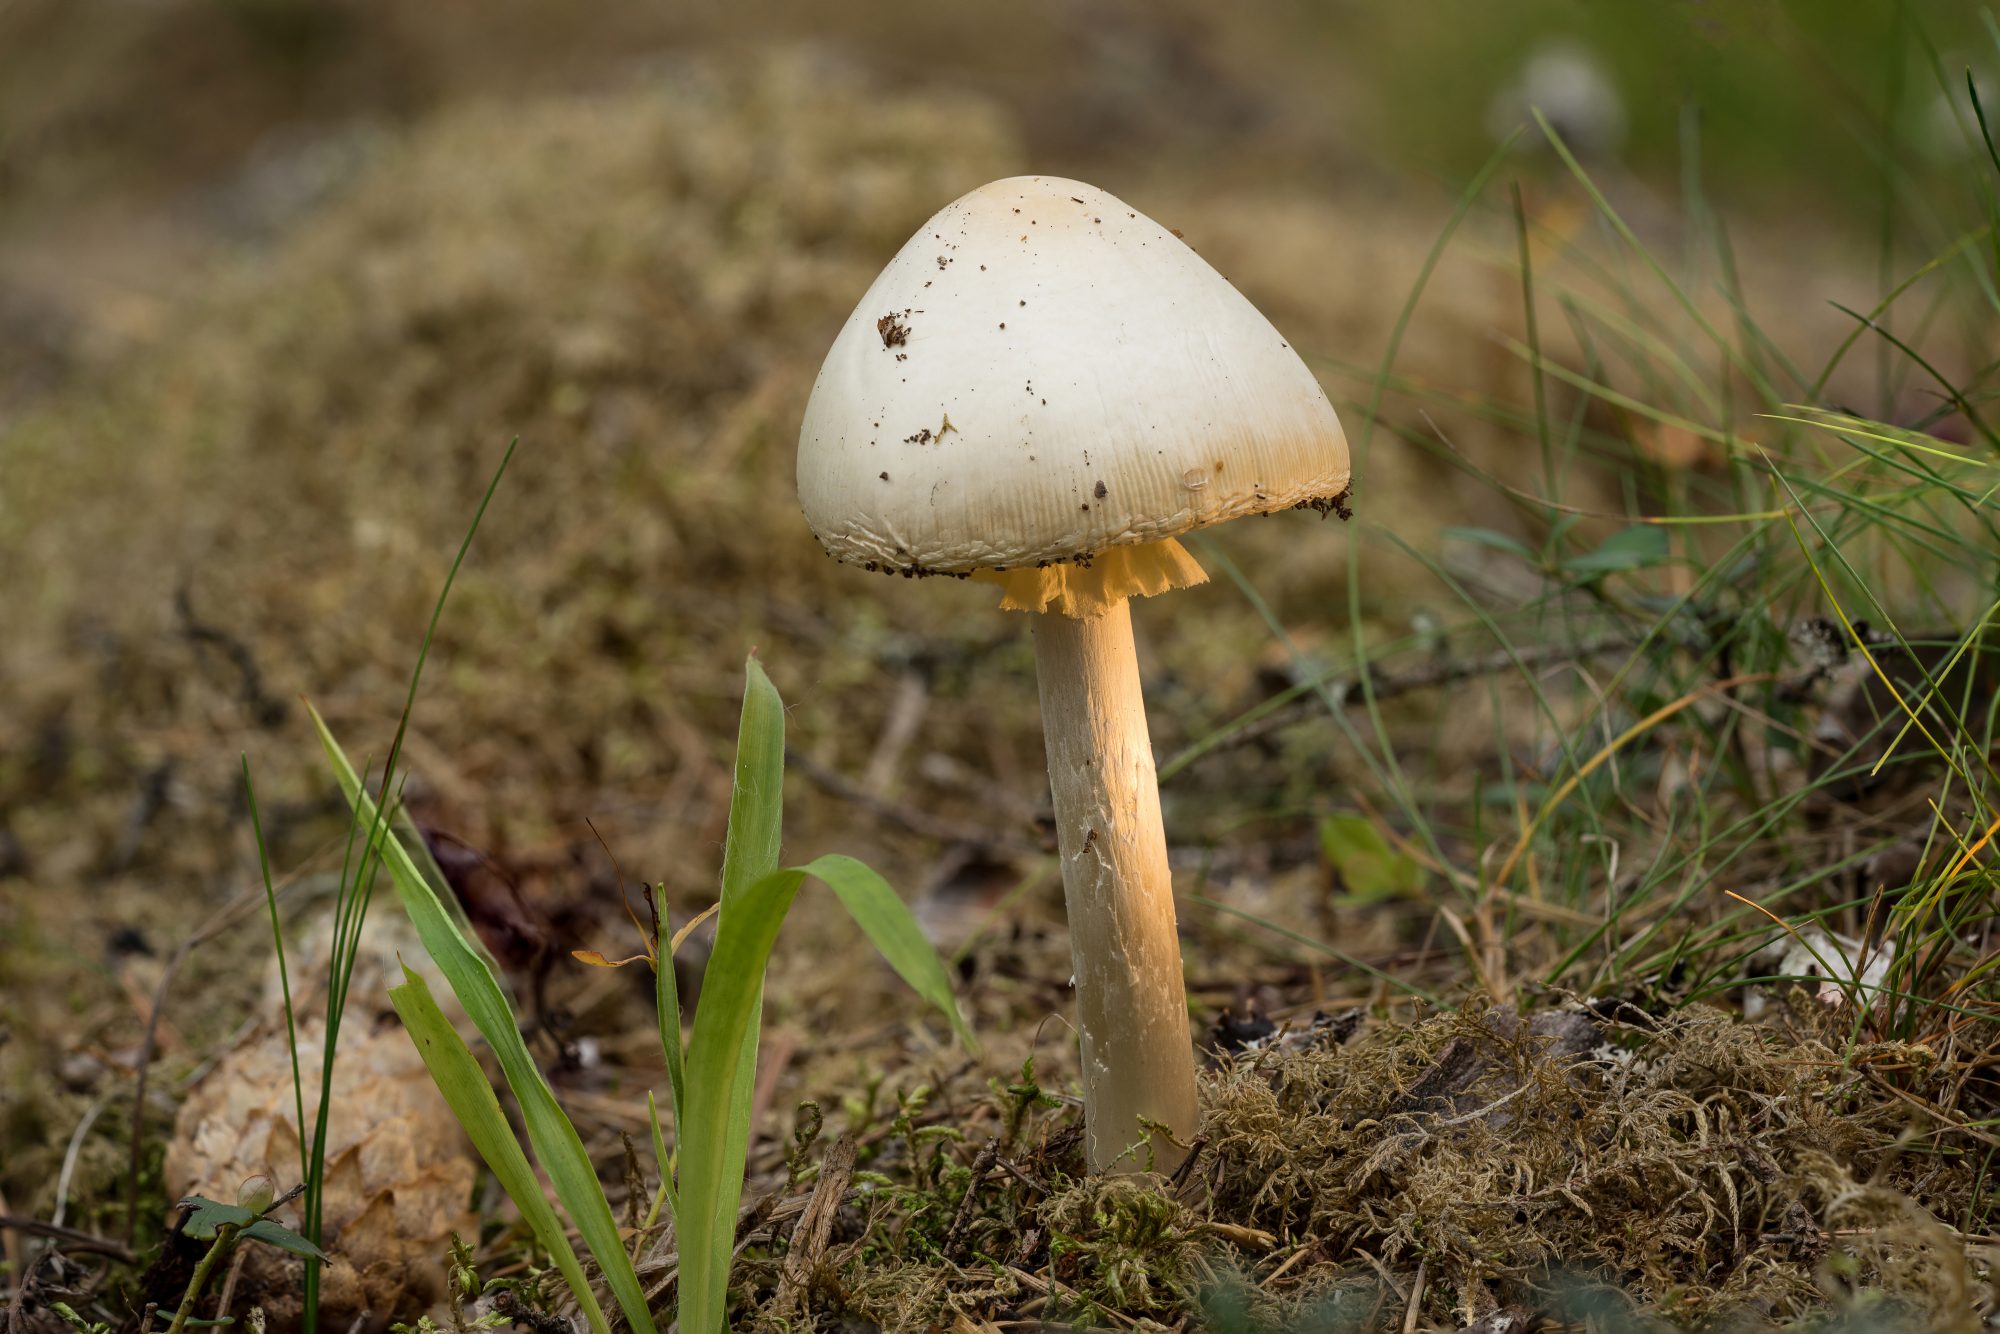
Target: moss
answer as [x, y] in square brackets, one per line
[1674, 1170]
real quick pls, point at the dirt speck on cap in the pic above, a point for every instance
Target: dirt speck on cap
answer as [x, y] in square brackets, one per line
[1326, 505]
[894, 332]
[1100, 492]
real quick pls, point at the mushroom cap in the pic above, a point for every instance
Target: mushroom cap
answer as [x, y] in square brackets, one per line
[1043, 372]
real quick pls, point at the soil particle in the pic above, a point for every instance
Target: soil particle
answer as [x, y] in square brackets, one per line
[1100, 491]
[1325, 505]
[894, 332]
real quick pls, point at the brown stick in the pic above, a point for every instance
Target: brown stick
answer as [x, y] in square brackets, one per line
[815, 1226]
[1385, 685]
[73, 1238]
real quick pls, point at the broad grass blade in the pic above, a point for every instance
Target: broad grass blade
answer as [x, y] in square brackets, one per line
[756, 831]
[715, 1135]
[757, 801]
[711, 1187]
[557, 1145]
[463, 1083]
[892, 927]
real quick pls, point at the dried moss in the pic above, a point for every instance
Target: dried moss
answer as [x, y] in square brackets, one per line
[1660, 1171]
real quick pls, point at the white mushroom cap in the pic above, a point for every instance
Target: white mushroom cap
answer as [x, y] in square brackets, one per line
[1043, 373]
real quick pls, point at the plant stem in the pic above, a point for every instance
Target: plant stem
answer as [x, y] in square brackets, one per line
[225, 1241]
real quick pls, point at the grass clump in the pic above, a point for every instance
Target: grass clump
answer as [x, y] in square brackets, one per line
[710, 1075]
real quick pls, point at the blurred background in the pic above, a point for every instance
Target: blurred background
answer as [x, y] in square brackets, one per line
[279, 280]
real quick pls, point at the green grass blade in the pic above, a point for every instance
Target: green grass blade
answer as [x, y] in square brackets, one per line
[750, 856]
[757, 801]
[556, 1143]
[666, 1162]
[892, 928]
[284, 972]
[667, 1002]
[433, 874]
[463, 1083]
[715, 1136]
[1979, 111]
[718, 1081]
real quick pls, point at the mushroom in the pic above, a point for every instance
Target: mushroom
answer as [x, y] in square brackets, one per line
[1043, 389]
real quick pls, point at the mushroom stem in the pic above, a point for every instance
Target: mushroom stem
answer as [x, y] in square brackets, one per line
[1138, 1059]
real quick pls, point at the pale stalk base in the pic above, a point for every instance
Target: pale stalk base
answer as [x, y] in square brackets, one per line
[1138, 1056]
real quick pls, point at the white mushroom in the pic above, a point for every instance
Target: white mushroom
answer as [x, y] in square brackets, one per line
[1044, 388]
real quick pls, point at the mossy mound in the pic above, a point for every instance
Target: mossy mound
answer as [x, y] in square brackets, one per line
[1643, 1169]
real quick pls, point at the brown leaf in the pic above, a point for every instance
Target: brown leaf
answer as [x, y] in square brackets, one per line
[596, 960]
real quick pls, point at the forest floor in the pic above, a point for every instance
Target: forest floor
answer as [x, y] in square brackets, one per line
[1562, 952]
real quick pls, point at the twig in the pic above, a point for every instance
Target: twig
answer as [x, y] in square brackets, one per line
[1305, 1248]
[152, 796]
[1346, 689]
[228, 1296]
[1416, 1301]
[266, 709]
[74, 1238]
[509, 1304]
[918, 822]
[8, 1256]
[1382, 1271]
[1049, 1287]
[815, 1226]
[1934, 1112]
[83, 1125]
[906, 715]
[1186, 1169]
[981, 1165]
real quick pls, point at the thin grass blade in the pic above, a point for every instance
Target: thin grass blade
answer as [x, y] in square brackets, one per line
[556, 1143]
[667, 1003]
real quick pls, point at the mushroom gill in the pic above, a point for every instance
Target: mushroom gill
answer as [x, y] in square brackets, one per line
[1083, 591]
